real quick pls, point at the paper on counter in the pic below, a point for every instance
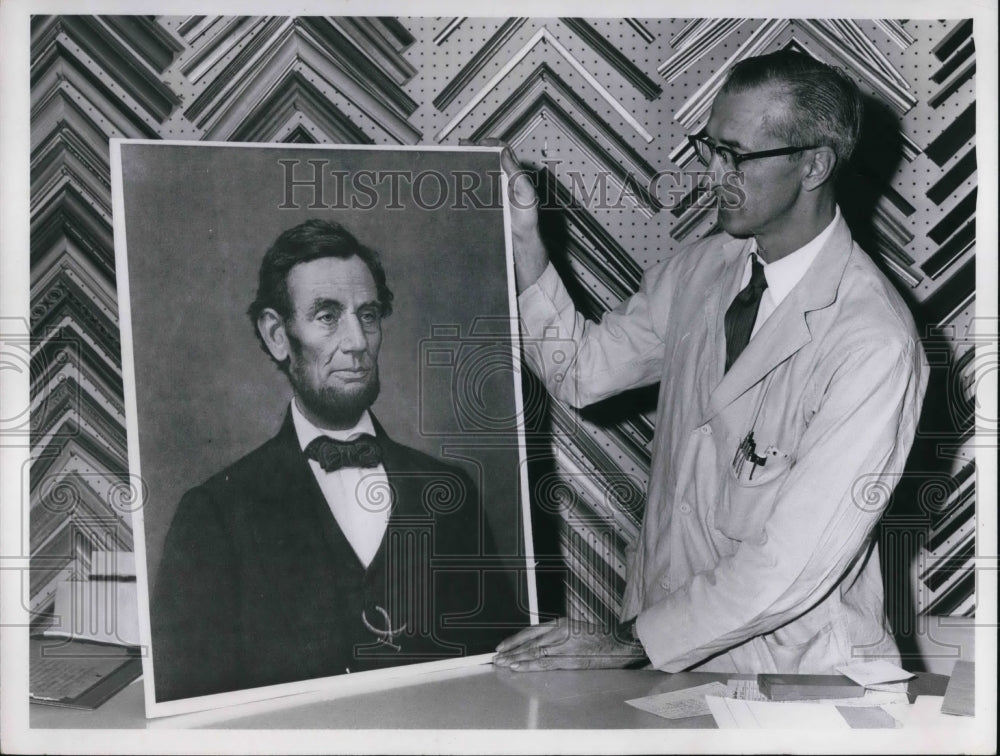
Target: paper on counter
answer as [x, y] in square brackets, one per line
[925, 714]
[745, 690]
[731, 713]
[678, 704]
[868, 718]
[874, 672]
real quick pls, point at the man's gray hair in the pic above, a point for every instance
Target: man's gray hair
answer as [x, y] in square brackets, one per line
[823, 108]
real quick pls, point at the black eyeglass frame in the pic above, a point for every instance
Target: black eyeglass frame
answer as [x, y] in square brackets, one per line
[736, 157]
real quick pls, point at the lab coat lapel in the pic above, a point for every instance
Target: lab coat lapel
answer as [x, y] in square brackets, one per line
[787, 330]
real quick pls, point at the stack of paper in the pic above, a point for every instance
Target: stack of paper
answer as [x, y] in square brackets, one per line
[748, 690]
[778, 687]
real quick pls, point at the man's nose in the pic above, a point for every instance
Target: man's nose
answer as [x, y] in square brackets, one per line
[352, 338]
[715, 169]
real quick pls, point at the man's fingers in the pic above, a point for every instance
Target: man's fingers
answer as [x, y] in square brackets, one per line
[540, 656]
[554, 657]
[555, 660]
[514, 657]
[554, 645]
[508, 162]
[538, 665]
[531, 643]
[522, 190]
[482, 142]
[486, 142]
[525, 636]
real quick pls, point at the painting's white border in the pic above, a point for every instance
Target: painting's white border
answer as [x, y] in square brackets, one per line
[14, 300]
[359, 682]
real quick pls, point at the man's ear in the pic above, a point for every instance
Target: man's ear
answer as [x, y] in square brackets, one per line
[271, 327]
[819, 168]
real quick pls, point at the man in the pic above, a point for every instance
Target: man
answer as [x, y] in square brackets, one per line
[791, 382]
[323, 551]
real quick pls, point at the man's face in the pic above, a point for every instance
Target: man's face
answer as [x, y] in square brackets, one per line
[334, 333]
[760, 196]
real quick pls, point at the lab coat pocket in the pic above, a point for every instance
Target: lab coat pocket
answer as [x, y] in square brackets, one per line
[747, 503]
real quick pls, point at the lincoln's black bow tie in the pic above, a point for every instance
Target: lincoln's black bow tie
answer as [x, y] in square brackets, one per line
[362, 451]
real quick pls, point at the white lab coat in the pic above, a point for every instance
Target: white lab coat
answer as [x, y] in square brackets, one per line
[779, 573]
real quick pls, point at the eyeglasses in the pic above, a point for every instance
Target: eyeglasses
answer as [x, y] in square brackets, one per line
[705, 149]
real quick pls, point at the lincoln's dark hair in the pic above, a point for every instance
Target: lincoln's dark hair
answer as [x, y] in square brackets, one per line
[824, 106]
[311, 240]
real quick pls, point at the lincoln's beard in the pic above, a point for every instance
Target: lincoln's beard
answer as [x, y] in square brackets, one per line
[336, 407]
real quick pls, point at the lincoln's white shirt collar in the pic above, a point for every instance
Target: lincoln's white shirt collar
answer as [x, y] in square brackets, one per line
[306, 431]
[354, 495]
[783, 274]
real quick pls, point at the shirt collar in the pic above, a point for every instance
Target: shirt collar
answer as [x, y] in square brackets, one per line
[783, 274]
[306, 431]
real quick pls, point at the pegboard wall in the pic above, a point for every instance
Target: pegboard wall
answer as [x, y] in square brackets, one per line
[601, 109]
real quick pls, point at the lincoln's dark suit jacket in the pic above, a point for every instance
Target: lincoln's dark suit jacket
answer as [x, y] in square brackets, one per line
[259, 586]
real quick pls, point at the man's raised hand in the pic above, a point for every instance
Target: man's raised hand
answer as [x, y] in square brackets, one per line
[530, 257]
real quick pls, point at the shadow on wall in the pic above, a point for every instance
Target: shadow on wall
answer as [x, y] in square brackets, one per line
[922, 494]
[867, 179]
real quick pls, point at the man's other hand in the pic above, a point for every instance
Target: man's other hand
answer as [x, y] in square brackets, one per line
[566, 644]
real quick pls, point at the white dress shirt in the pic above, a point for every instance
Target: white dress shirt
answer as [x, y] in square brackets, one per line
[783, 274]
[358, 497]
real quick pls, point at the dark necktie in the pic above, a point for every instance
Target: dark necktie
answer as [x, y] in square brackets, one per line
[742, 313]
[362, 451]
